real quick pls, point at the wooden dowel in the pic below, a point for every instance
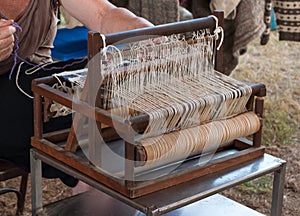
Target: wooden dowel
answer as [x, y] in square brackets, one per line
[161, 30]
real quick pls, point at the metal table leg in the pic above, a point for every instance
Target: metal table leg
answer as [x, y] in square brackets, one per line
[152, 211]
[277, 194]
[169, 199]
[36, 183]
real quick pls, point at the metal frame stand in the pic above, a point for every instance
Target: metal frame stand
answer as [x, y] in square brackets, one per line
[175, 197]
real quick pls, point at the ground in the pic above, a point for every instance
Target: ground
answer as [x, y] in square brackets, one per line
[277, 65]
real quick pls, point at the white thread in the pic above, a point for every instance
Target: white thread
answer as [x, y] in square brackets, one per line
[28, 72]
[103, 40]
[38, 67]
[60, 82]
[105, 49]
[17, 82]
[217, 31]
[164, 82]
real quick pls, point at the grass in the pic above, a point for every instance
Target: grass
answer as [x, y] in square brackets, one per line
[259, 185]
[276, 65]
[277, 129]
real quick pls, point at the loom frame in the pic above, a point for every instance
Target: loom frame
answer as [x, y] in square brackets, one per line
[67, 152]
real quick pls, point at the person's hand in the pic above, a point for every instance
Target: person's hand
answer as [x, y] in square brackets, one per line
[6, 38]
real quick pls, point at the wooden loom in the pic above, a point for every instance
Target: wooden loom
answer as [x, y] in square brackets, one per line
[128, 179]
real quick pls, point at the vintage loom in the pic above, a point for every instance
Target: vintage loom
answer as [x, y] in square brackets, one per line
[152, 114]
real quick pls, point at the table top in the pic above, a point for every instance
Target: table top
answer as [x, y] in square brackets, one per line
[178, 196]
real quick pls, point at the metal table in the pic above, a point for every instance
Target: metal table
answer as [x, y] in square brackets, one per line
[172, 199]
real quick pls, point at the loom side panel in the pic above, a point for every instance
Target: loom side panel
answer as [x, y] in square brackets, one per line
[78, 162]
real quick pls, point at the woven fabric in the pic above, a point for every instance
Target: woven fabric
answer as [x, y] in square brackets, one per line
[267, 18]
[120, 3]
[229, 7]
[249, 24]
[239, 32]
[288, 19]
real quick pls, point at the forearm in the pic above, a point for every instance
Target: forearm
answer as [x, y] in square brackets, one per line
[103, 16]
[121, 19]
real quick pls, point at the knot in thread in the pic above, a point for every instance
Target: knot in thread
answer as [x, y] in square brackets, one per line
[106, 48]
[217, 31]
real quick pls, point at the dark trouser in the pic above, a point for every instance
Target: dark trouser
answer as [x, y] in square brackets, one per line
[16, 119]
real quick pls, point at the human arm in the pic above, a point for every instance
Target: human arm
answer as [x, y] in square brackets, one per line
[101, 15]
[6, 38]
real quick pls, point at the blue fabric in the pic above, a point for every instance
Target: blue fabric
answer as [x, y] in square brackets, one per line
[273, 20]
[70, 43]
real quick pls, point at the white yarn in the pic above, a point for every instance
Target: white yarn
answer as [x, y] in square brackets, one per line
[29, 71]
[17, 82]
[217, 31]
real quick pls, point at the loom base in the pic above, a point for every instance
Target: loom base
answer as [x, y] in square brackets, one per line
[240, 151]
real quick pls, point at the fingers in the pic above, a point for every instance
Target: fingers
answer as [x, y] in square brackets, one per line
[7, 31]
[6, 38]
[7, 42]
[4, 22]
[5, 53]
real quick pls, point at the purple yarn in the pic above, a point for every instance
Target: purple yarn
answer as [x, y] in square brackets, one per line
[16, 56]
